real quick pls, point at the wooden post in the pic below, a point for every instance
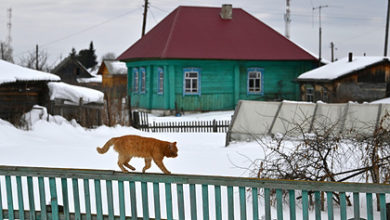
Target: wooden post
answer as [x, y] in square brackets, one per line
[36, 58]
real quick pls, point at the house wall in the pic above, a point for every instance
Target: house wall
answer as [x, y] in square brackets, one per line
[222, 83]
[369, 84]
[70, 71]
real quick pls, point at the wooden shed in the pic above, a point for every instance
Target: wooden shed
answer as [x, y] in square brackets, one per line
[20, 89]
[360, 79]
[114, 83]
[206, 58]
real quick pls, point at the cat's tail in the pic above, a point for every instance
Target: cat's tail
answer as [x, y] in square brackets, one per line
[107, 146]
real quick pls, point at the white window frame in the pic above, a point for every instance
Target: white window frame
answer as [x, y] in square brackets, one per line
[135, 80]
[160, 82]
[309, 93]
[192, 78]
[143, 80]
[255, 74]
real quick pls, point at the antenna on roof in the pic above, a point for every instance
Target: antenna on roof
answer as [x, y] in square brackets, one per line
[145, 15]
[319, 31]
[9, 25]
[287, 19]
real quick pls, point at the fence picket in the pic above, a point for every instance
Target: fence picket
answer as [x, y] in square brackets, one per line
[242, 202]
[10, 203]
[133, 199]
[98, 197]
[53, 198]
[291, 195]
[193, 202]
[205, 201]
[382, 203]
[31, 202]
[230, 203]
[180, 200]
[20, 196]
[305, 205]
[370, 210]
[255, 203]
[343, 206]
[156, 194]
[317, 205]
[168, 200]
[121, 194]
[279, 204]
[87, 198]
[329, 201]
[65, 198]
[356, 205]
[267, 203]
[1, 204]
[110, 200]
[218, 207]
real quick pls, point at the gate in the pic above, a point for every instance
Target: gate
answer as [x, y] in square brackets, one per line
[54, 193]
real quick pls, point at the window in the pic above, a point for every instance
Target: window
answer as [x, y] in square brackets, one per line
[135, 79]
[191, 81]
[325, 94]
[160, 82]
[309, 93]
[143, 79]
[255, 80]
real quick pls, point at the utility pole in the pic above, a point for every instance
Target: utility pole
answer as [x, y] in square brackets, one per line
[387, 27]
[2, 51]
[332, 51]
[36, 58]
[287, 19]
[320, 31]
[145, 15]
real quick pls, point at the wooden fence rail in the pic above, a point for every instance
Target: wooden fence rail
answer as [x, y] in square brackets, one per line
[49, 193]
[188, 126]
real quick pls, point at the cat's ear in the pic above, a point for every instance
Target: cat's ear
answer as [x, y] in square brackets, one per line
[174, 143]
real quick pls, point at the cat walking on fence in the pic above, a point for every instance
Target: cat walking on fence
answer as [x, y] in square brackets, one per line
[130, 146]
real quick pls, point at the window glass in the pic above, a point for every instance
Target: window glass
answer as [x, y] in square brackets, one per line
[255, 80]
[135, 79]
[160, 72]
[143, 79]
[191, 81]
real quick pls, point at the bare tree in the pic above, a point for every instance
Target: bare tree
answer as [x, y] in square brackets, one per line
[30, 60]
[6, 52]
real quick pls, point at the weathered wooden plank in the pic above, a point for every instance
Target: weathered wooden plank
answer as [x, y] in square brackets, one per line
[370, 210]
[76, 197]
[87, 198]
[20, 196]
[343, 206]
[356, 205]
[267, 203]
[291, 196]
[98, 198]
[329, 202]
[205, 201]
[121, 195]
[279, 204]
[194, 215]
[230, 198]
[65, 198]
[31, 202]
[10, 203]
[168, 201]
[133, 198]
[317, 205]
[218, 202]
[305, 205]
[382, 204]
[53, 198]
[42, 198]
[180, 201]
[145, 201]
[110, 200]
[156, 197]
[255, 203]
[242, 202]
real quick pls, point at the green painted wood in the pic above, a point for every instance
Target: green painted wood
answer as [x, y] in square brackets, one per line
[168, 201]
[20, 197]
[98, 198]
[87, 198]
[180, 201]
[370, 210]
[31, 202]
[53, 198]
[230, 202]
[267, 203]
[329, 202]
[194, 215]
[317, 205]
[205, 201]
[305, 205]
[145, 202]
[255, 203]
[382, 204]
[356, 205]
[1, 204]
[76, 197]
[156, 198]
[218, 202]
[121, 194]
[279, 204]
[291, 196]
[110, 200]
[42, 197]
[133, 199]
[343, 206]
[65, 198]
[242, 202]
[10, 203]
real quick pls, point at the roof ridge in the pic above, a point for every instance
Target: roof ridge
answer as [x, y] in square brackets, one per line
[170, 33]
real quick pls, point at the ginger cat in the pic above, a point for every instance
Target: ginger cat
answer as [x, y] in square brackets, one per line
[130, 146]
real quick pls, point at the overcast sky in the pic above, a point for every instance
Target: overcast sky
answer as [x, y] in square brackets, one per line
[356, 26]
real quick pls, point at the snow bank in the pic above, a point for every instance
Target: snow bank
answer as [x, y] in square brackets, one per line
[60, 90]
[10, 72]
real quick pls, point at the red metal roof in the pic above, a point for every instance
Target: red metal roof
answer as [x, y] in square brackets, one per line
[200, 33]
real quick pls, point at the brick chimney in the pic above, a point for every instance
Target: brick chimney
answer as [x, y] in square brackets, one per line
[226, 12]
[350, 57]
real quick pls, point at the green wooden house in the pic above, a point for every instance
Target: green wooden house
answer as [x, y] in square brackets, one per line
[206, 59]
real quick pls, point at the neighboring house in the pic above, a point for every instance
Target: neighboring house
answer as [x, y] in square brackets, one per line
[114, 83]
[360, 79]
[73, 72]
[204, 58]
[20, 89]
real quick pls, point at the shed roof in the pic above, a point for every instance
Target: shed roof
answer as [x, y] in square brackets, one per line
[200, 33]
[10, 73]
[341, 68]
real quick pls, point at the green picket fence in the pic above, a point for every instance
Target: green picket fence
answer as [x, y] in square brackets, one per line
[52, 193]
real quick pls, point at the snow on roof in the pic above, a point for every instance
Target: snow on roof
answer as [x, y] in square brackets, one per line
[60, 90]
[340, 68]
[383, 101]
[116, 67]
[94, 79]
[10, 72]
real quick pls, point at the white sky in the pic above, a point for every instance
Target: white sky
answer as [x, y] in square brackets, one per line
[356, 26]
